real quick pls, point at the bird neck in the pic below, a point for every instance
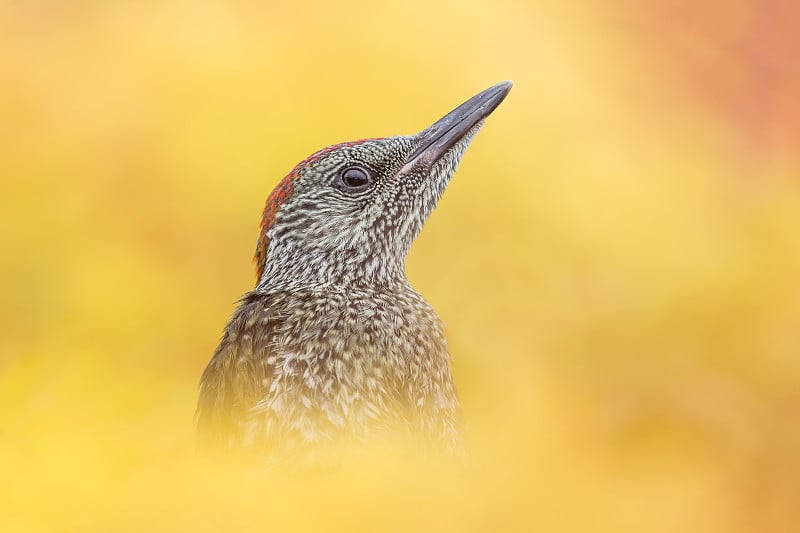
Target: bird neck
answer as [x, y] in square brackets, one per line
[335, 270]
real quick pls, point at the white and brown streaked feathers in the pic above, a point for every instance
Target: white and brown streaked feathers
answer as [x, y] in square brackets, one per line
[279, 380]
[237, 376]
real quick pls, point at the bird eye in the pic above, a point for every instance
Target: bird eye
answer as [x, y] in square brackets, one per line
[355, 178]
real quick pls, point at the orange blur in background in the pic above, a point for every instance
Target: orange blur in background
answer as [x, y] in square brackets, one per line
[617, 260]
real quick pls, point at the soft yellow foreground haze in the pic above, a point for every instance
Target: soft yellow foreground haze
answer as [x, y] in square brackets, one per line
[617, 260]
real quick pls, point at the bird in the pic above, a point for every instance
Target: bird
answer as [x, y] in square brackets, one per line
[334, 344]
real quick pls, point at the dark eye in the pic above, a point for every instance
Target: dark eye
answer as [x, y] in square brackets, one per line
[355, 179]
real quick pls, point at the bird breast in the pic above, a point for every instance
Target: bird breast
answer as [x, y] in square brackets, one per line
[354, 360]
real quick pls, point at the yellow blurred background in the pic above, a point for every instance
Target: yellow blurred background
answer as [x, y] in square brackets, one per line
[616, 261]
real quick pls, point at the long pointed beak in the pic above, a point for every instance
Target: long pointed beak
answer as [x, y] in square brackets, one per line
[448, 130]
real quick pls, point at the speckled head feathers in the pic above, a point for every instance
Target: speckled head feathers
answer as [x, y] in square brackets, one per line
[350, 212]
[280, 194]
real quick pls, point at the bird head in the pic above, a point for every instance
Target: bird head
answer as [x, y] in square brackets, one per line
[349, 213]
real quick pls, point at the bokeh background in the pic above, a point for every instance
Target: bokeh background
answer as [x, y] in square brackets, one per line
[616, 261]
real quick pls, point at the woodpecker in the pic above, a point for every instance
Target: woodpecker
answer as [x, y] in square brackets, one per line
[334, 342]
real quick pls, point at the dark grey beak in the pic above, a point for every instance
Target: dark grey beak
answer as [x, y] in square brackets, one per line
[448, 130]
